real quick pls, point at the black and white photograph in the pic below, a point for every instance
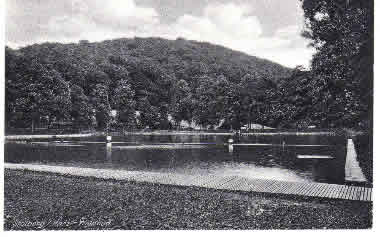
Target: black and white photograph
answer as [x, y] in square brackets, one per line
[188, 115]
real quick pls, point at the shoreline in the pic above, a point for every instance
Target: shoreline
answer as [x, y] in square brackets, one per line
[46, 136]
[19, 137]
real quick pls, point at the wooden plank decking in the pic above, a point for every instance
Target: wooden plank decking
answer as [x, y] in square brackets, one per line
[236, 183]
[352, 168]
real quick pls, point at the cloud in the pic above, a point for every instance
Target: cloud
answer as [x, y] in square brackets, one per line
[93, 20]
[222, 24]
[120, 14]
[287, 47]
[97, 20]
[229, 24]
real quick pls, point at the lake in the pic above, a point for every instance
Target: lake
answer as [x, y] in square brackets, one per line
[262, 156]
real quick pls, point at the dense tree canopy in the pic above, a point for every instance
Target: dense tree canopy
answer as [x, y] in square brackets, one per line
[188, 80]
[342, 33]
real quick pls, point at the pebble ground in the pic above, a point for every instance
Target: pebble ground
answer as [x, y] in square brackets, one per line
[36, 201]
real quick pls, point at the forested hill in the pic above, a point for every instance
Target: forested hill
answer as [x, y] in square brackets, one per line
[188, 80]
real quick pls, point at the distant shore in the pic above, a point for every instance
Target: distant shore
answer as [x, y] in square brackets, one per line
[269, 132]
[229, 133]
[46, 136]
[22, 137]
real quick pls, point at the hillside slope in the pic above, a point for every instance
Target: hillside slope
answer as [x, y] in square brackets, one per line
[187, 79]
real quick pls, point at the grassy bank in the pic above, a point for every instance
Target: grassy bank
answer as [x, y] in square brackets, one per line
[45, 201]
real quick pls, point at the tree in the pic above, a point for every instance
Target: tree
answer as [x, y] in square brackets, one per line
[149, 114]
[342, 33]
[12, 88]
[101, 104]
[293, 101]
[60, 101]
[38, 91]
[95, 77]
[123, 101]
[254, 91]
[182, 102]
[81, 108]
[214, 98]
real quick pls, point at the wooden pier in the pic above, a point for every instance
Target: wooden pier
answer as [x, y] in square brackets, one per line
[235, 183]
[352, 168]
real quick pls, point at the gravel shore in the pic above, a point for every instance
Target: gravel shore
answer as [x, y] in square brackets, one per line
[35, 201]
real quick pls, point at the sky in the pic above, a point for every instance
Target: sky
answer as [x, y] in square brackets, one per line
[264, 28]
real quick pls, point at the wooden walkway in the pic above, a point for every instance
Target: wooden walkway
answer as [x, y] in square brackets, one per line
[235, 183]
[352, 169]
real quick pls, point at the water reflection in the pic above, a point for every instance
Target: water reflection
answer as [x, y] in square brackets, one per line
[157, 153]
[248, 170]
[109, 152]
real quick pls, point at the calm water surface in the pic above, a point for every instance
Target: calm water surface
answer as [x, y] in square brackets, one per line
[194, 154]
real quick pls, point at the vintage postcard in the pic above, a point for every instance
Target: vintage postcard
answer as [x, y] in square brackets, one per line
[188, 115]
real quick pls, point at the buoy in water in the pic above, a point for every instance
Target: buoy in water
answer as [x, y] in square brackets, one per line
[109, 143]
[230, 145]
